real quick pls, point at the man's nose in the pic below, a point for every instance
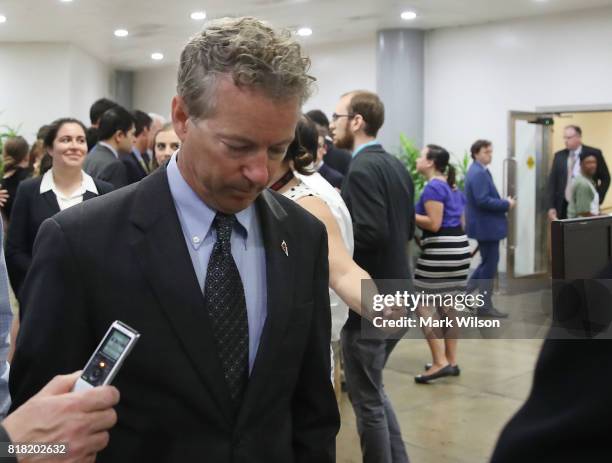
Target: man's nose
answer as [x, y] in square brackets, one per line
[256, 170]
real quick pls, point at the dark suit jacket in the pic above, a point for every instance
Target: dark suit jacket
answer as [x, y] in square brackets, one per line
[333, 177]
[135, 171]
[379, 194]
[485, 210]
[557, 179]
[30, 210]
[122, 257]
[337, 158]
[91, 134]
[102, 164]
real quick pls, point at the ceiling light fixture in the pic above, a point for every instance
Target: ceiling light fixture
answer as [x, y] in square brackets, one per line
[408, 15]
[304, 31]
[157, 56]
[2, 18]
[198, 15]
[121, 33]
[65, 1]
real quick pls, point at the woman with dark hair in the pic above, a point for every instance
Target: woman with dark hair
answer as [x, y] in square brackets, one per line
[16, 169]
[296, 180]
[37, 199]
[37, 152]
[445, 261]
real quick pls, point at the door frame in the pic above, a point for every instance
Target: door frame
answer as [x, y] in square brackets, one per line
[543, 153]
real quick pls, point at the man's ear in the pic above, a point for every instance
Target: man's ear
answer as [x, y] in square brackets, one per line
[358, 123]
[180, 117]
[118, 136]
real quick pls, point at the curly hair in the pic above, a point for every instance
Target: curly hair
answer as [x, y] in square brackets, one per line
[248, 50]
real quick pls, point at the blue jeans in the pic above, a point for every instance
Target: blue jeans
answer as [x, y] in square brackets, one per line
[377, 425]
[483, 276]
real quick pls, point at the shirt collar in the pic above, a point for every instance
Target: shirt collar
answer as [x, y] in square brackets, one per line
[578, 150]
[137, 153]
[364, 146]
[113, 150]
[48, 184]
[197, 215]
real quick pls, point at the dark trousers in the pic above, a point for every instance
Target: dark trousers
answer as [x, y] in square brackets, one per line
[379, 430]
[483, 276]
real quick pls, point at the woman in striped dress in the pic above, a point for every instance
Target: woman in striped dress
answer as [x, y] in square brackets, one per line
[444, 263]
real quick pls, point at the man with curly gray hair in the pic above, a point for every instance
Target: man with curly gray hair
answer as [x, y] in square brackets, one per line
[225, 280]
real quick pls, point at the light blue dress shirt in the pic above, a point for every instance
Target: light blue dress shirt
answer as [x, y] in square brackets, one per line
[364, 146]
[248, 250]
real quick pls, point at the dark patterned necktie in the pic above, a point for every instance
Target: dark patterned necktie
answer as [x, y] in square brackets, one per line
[226, 307]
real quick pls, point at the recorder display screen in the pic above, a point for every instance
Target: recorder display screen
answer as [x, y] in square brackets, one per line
[115, 344]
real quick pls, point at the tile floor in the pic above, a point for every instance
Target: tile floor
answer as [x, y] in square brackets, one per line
[457, 419]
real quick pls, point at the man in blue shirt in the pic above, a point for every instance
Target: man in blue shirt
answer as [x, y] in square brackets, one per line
[486, 222]
[226, 281]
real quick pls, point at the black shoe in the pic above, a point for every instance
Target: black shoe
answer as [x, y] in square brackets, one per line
[492, 312]
[425, 379]
[456, 370]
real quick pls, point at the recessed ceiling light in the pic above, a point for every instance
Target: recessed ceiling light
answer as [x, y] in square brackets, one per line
[65, 1]
[198, 15]
[121, 33]
[408, 15]
[157, 56]
[2, 18]
[304, 31]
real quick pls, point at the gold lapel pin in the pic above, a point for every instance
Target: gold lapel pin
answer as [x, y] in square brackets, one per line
[285, 248]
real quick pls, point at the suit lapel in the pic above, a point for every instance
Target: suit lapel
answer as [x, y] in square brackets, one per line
[160, 248]
[565, 157]
[89, 195]
[51, 201]
[280, 274]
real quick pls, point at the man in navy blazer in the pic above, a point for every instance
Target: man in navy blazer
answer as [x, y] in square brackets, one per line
[485, 222]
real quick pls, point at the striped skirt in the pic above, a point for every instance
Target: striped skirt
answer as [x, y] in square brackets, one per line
[445, 261]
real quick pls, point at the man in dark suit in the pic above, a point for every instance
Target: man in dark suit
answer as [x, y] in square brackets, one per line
[116, 133]
[98, 108]
[486, 222]
[137, 162]
[336, 158]
[566, 165]
[379, 194]
[333, 177]
[226, 281]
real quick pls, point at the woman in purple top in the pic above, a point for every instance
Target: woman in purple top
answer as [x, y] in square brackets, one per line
[445, 261]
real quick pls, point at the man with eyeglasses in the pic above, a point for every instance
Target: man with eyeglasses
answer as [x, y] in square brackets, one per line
[379, 194]
[566, 166]
[336, 158]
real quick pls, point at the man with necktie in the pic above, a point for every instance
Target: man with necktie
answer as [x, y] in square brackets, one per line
[137, 162]
[566, 166]
[226, 281]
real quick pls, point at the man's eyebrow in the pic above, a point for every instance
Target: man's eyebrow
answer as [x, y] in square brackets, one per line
[241, 139]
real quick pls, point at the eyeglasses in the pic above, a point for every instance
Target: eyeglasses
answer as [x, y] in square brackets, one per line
[336, 116]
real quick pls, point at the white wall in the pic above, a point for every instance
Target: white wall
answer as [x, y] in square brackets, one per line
[154, 89]
[338, 67]
[90, 80]
[41, 82]
[475, 75]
